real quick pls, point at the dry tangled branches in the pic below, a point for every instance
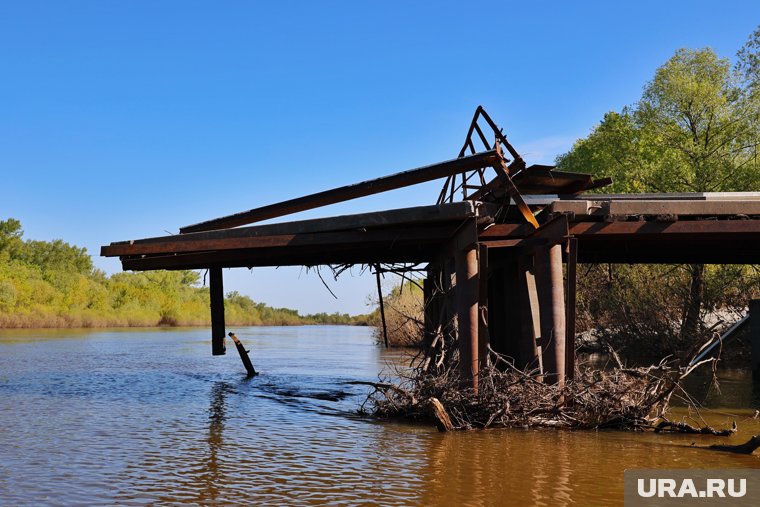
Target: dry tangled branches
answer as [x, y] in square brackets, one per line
[622, 398]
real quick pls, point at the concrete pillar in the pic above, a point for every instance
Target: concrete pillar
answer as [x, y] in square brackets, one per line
[551, 299]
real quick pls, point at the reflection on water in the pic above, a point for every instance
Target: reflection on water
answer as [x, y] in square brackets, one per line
[215, 429]
[150, 418]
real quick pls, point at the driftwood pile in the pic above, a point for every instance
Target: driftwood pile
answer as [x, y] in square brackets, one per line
[618, 397]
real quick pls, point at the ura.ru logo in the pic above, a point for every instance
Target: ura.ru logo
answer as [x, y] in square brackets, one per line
[714, 488]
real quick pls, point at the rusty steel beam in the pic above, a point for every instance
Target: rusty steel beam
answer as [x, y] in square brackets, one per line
[414, 253]
[718, 229]
[177, 244]
[550, 233]
[551, 182]
[669, 252]
[503, 173]
[417, 215]
[505, 231]
[345, 193]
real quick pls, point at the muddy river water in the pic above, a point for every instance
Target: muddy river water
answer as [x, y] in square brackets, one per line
[148, 417]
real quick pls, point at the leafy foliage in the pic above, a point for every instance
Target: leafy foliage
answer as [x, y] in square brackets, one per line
[403, 316]
[696, 128]
[54, 284]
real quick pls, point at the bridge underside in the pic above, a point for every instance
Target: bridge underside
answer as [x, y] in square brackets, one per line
[514, 270]
[494, 259]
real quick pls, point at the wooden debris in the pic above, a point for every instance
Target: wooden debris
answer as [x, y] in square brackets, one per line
[442, 419]
[243, 356]
[747, 447]
[621, 398]
[681, 427]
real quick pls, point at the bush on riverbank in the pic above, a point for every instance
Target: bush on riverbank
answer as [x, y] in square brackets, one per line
[642, 310]
[404, 317]
[54, 284]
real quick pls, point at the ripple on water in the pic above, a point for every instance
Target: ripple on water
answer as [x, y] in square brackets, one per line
[148, 418]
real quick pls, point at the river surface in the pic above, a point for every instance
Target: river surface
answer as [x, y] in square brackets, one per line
[130, 417]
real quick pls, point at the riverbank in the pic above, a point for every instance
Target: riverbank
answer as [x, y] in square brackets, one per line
[147, 319]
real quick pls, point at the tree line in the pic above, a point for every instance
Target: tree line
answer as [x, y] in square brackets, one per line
[54, 284]
[696, 128]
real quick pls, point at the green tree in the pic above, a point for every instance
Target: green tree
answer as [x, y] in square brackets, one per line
[695, 129]
[10, 238]
[748, 64]
[54, 284]
[56, 256]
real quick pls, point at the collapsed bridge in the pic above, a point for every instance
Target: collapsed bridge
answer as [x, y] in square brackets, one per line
[492, 247]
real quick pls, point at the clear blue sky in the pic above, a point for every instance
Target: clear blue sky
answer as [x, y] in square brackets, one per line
[121, 120]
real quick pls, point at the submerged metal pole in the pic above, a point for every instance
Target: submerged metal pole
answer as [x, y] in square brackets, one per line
[243, 356]
[382, 306]
[216, 296]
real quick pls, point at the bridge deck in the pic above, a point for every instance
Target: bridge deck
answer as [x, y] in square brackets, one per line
[653, 229]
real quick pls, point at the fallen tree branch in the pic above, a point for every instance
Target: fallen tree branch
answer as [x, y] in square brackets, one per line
[681, 427]
[747, 447]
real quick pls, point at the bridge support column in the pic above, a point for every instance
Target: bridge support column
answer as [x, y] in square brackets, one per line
[467, 299]
[530, 323]
[572, 278]
[551, 298]
[483, 333]
[754, 330]
[216, 293]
